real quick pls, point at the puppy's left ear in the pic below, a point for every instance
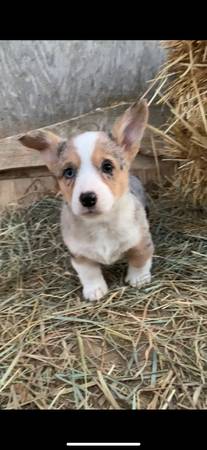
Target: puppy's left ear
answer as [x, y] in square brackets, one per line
[129, 129]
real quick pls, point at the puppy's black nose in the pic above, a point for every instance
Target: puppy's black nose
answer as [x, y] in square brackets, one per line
[88, 199]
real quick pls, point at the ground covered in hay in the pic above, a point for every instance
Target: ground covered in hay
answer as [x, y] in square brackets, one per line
[133, 350]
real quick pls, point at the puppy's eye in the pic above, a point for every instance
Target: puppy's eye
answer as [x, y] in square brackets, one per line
[107, 167]
[70, 172]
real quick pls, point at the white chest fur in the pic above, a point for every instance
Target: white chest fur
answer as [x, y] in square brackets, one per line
[106, 239]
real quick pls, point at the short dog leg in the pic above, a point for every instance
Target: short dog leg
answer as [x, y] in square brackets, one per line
[92, 280]
[140, 262]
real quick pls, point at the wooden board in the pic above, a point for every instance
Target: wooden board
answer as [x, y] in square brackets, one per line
[37, 182]
[13, 155]
[25, 191]
[24, 178]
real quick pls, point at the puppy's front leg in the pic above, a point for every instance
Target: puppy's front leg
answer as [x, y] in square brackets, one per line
[92, 280]
[140, 262]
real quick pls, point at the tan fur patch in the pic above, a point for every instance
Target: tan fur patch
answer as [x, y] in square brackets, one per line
[138, 256]
[107, 150]
[40, 140]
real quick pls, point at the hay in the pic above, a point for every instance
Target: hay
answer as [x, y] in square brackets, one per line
[133, 350]
[182, 87]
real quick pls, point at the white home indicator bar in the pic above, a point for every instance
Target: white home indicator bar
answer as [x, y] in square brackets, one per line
[103, 444]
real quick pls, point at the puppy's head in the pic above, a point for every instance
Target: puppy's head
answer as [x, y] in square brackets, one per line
[91, 168]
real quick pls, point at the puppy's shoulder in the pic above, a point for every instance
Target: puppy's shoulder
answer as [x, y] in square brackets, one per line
[138, 191]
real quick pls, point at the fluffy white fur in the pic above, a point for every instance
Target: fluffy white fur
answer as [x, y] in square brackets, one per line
[94, 285]
[103, 239]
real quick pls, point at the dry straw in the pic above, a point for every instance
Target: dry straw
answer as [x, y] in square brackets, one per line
[182, 87]
[135, 349]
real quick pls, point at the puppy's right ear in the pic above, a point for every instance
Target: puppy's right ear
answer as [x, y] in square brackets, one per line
[128, 129]
[46, 142]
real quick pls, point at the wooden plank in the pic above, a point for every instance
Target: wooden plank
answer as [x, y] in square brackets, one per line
[37, 182]
[143, 166]
[25, 172]
[146, 169]
[25, 191]
[24, 178]
[14, 156]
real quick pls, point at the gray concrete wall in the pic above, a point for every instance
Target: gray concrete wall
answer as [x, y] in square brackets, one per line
[43, 82]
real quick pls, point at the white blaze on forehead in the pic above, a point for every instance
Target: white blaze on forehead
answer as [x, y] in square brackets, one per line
[88, 177]
[85, 144]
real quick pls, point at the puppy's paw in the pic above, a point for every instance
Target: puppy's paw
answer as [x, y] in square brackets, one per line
[94, 291]
[138, 277]
[138, 281]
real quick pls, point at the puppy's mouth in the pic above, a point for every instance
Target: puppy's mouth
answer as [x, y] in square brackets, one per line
[91, 212]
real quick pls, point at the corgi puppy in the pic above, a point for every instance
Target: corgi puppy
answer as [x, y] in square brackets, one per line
[103, 216]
